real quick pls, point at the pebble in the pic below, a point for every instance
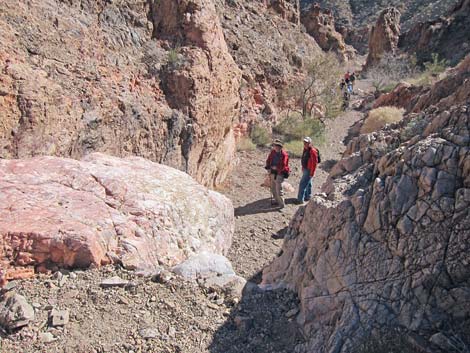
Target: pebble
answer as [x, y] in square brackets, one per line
[148, 333]
[46, 337]
[114, 281]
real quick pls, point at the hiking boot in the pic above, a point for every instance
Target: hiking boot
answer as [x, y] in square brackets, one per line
[298, 202]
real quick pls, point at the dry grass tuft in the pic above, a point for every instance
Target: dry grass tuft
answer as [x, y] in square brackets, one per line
[380, 117]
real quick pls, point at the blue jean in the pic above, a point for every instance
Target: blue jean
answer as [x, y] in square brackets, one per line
[305, 186]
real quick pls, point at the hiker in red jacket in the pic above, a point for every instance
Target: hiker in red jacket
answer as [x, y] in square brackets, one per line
[277, 165]
[309, 165]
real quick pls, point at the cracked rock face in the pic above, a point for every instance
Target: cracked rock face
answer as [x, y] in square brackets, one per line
[320, 24]
[105, 209]
[383, 36]
[388, 244]
[83, 76]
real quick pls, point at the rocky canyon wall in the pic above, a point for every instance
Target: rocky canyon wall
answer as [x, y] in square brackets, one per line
[83, 76]
[385, 248]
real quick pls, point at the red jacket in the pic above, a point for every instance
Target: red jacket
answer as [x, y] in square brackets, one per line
[283, 165]
[312, 161]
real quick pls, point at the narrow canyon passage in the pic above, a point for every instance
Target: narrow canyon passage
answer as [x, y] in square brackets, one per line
[265, 320]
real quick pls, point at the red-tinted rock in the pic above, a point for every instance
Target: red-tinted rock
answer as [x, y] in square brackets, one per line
[103, 209]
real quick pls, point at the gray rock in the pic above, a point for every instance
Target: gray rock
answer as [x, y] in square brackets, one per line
[46, 337]
[15, 311]
[204, 265]
[59, 317]
[148, 333]
[115, 281]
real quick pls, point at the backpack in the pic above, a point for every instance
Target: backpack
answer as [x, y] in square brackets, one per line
[318, 155]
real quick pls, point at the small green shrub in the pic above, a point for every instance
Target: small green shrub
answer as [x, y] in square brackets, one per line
[295, 128]
[436, 66]
[245, 144]
[174, 58]
[379, 117]
[294, 148]
[260, 135]
[388, 88]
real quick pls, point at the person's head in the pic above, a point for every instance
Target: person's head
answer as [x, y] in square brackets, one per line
[342, 80]
[277, 145]
[307, 141]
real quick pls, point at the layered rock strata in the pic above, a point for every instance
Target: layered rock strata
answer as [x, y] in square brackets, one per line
[101, 210]
[386, 247]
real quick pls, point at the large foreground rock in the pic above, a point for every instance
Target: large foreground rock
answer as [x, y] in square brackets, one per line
[105, 209]
[388, 245]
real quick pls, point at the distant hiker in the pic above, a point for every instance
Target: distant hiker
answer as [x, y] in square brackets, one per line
[347, 77]
[277, 166]
[352, 78]
[342, 84]
[309, 165]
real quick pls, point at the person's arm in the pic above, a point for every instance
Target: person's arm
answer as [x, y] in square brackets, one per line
[312, 161]
[268, 161]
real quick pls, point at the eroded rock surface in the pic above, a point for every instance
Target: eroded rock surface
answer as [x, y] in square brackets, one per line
[104, 210]
[383, 36]
[446, 36]
[83, 76]
[320, 24]
[387, 244]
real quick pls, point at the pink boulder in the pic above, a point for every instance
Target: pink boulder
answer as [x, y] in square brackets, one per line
[105, 209]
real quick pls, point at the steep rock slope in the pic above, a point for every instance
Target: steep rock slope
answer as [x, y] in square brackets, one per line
[271, 51]
[455, 87]
[359, 13]
[82, 76]
[320, 24]
[447, 36]
[386, 248]
[67, 213]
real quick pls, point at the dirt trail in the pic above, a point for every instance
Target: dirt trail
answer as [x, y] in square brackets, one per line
[259, 227]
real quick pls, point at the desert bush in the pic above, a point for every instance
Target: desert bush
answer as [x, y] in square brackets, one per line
[431, 72]
[245, 144]
[379, 117]
[294, 148]
[318, 88]
[295, 127]
[391, 70]
[260, 135]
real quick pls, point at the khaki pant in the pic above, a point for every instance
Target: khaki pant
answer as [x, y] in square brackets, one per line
[276, 188]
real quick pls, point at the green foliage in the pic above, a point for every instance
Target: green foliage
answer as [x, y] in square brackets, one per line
[294, 127]
[318, 88]
[260, 135]
[436, 66]
[431, 72]
[390, 70]
[295, 148]
[174, 58]
[245, 144]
